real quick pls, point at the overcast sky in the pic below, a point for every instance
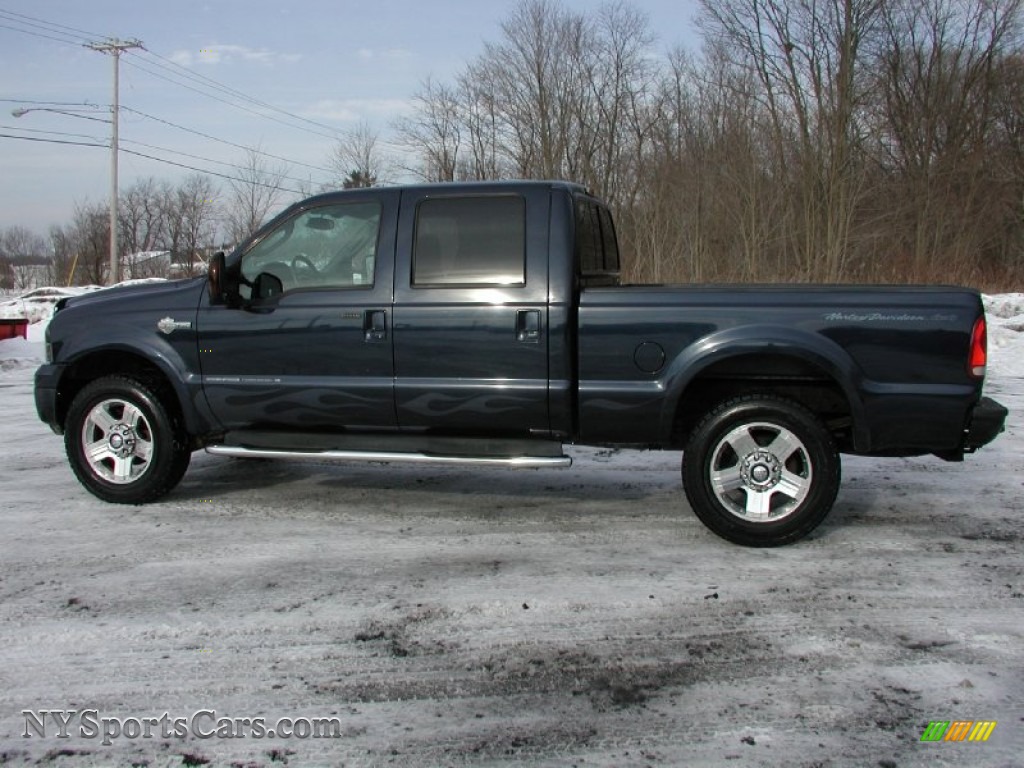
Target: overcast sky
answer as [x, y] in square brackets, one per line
[336, 62]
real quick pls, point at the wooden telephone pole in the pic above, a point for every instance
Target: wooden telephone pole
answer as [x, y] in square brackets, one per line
[114, 47]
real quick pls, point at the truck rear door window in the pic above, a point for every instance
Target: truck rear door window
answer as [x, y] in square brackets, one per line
[470, 241]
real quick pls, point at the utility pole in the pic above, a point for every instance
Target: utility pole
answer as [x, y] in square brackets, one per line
[114, 47]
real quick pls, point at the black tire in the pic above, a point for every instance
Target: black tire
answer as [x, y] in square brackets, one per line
[142, 449]
[761, 471]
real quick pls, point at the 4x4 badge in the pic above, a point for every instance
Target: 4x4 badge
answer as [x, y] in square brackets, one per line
[169, 325]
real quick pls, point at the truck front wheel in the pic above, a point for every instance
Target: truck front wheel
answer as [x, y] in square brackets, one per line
[124, 443]
[761, 471]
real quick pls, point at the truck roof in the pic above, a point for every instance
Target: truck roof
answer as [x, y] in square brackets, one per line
[449, 187]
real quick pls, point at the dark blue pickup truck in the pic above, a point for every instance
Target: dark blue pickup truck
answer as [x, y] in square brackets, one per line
[485, 324]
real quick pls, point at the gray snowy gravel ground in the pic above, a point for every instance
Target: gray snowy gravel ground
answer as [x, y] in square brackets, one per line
[580, 617]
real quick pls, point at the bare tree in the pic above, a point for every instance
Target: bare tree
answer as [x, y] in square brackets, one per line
[22, 253]
[939, 132]
[808, 58]
[1008, 140]
[90, 240]
[253, 194]
[143, 225]
[433, 132]
[61, 267]
[141, 213]
[481, 121]
[195, 209]
[532, 77]
[358, 159]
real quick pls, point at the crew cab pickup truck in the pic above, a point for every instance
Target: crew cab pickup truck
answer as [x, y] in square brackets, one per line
[485, 324]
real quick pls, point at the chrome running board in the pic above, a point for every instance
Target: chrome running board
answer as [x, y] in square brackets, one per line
[515, 462]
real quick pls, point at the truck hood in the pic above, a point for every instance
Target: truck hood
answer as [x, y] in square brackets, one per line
[109, 312]
[125, 293]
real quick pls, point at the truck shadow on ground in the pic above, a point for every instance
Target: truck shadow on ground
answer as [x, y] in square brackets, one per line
[212, 477]
[591, 488]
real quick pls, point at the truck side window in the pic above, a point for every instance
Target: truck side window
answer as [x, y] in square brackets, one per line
[589, 248]
[470, 241]
[597, 251]
[611, 245]
[331, 246]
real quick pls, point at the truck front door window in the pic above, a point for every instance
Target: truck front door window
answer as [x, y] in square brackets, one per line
[332, 246]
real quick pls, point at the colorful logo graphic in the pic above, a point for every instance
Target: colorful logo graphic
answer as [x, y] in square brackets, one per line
[958, 730]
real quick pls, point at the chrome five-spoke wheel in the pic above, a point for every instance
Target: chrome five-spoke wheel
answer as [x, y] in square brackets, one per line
[117, 441]
[761, 470]
[125, 439]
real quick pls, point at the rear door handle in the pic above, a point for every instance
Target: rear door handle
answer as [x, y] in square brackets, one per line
[528, 326]
[375, 325]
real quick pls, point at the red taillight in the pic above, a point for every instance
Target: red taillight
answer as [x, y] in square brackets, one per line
[979, 349]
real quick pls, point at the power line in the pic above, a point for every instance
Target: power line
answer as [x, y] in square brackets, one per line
[68, 35]
[209, 82]
[199, 157]
[212, 173]
[177, 72]
[172, 67]
[195, 76]
[148, 116]
[235, 166]
[51, 141]
[37, 34]
[52, 133]
[225, 141]
[221, 100]
[55, 103]
[50, 23]
[7, 16]
[158, 160]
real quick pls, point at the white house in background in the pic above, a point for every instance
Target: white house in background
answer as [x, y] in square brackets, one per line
[145, 264]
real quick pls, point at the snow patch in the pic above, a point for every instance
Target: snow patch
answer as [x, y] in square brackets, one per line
[19, 353]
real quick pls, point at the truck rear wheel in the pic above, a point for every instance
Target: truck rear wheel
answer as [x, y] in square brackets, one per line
[761, 471]
[124, 444]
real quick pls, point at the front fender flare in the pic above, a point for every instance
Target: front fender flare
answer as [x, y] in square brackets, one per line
[186, 385]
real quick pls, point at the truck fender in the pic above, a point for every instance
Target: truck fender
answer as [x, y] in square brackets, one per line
[156, 351]
[805, 346]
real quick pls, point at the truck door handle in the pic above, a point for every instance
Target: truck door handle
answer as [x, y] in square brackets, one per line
[528, 326]
[375, 326]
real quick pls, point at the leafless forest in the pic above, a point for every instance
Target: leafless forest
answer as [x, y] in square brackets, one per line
[807, 140]
[810, 140]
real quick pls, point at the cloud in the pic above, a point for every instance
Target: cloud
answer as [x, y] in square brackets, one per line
[354, 110]
[184, 58]
[215, 53]
[387, 54]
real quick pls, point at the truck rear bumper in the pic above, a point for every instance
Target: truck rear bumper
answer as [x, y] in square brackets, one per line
[988, 419]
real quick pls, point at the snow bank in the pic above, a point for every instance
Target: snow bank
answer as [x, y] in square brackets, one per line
[37, 305]
[1006, 333]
